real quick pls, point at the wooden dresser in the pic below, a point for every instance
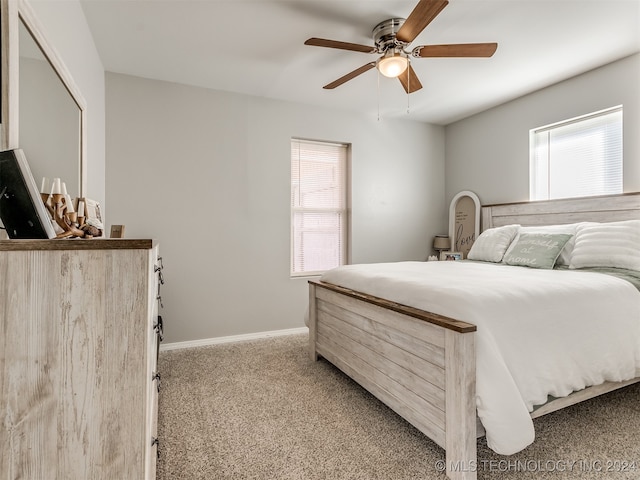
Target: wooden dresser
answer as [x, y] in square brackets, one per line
[78, 356]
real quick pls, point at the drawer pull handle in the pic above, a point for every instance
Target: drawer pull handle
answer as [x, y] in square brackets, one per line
[158, 327]
[156, 377]
[157, 268]
[156, 443]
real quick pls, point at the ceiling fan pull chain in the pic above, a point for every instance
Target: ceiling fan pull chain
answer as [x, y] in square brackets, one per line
[408, 81]
[378, 95]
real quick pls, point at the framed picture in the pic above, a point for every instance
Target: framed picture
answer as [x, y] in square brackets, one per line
[464, 221]
[117, 231]
[451, 256]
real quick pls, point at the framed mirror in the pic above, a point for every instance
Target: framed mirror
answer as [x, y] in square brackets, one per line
[46, 111]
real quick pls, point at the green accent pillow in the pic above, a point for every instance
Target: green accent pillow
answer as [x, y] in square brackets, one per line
[537, 250]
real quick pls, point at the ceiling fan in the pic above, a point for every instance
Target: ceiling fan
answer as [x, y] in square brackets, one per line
[392, 38]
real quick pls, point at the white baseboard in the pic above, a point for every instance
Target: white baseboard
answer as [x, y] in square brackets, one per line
[232, 338]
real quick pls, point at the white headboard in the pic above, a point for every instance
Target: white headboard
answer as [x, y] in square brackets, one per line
[606, 208]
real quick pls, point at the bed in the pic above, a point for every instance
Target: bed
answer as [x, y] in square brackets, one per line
[425, 355]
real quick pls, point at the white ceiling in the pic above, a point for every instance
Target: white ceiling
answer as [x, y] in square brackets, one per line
[256, 47]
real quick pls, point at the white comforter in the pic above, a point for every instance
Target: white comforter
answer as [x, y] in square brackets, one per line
[540, 332]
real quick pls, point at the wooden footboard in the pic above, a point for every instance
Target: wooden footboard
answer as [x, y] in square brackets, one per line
[419, 364]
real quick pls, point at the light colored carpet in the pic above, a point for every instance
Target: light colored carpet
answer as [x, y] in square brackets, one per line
[262, 410]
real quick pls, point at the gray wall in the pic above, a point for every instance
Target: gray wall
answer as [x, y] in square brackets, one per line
[488, 153]
[207, 174]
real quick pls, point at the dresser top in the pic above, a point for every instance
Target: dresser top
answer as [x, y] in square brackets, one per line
[77, 244]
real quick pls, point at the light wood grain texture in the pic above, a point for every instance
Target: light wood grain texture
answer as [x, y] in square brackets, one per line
[460, 358]
[427, 317]
[77, 244]
[9, 74]
[607, 208]
[395, 351]
[425, 331]
[423, 358]
[312, 322]
[396, 363]
[76, 367]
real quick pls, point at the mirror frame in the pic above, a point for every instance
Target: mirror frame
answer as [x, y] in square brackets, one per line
[8, 75]
[12, 13]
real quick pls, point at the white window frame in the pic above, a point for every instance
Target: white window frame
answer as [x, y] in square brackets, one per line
[340, 208]
[541, 158]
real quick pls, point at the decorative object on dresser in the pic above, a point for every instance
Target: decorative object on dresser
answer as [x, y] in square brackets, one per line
[66, 219]
[117, 231]
[450, 256]
[78, 369]
[464, 221]
[80, 218]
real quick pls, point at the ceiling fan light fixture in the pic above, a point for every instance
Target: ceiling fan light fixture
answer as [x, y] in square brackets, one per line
[393, 64]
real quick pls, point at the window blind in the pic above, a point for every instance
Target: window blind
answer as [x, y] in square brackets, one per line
[577, 158]
[318, 206]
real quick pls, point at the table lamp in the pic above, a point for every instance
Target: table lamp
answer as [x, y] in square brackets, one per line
[441, 242]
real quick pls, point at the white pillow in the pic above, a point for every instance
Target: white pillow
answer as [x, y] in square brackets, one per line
[492, 244]
[565, 254]
[615, 244]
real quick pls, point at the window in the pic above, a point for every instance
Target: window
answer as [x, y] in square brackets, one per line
[318, 206]
[580, 157]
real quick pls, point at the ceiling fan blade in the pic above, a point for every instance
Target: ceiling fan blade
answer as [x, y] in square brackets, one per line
[409, 80]
[350, 76]
[421, 16]
[456, 50]
[355, 47]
